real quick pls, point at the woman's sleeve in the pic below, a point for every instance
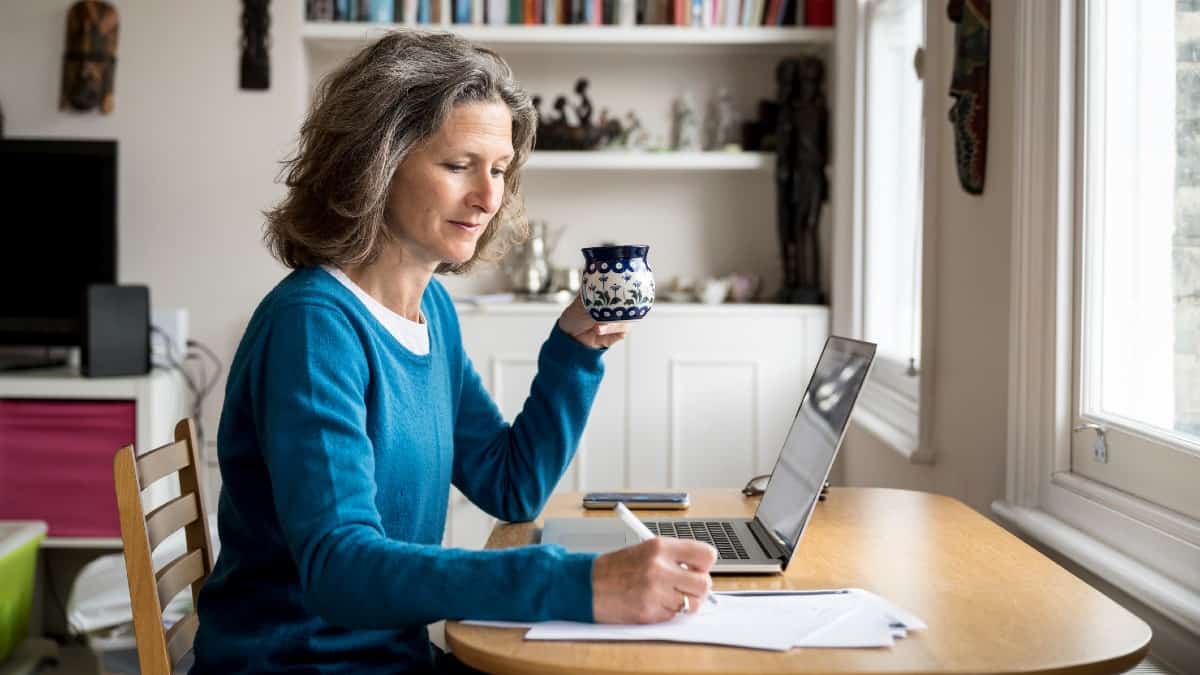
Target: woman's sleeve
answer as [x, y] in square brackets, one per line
[510, 470]
[312, 417]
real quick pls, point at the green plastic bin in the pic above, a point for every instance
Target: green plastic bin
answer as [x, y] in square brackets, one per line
[19, 541]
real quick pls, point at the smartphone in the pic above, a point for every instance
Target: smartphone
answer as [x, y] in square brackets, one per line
[637, 500]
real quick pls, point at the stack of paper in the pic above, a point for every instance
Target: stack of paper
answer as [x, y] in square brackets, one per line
[776, 620]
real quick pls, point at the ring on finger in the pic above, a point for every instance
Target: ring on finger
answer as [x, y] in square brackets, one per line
[683, 606]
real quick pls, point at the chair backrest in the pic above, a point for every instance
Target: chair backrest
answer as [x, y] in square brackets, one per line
[150, 590]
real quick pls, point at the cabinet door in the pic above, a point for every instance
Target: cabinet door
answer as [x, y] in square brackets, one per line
[710, 406]
[56, 463]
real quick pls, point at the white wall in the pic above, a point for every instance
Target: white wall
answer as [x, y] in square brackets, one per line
[970, 361]
[197, 155]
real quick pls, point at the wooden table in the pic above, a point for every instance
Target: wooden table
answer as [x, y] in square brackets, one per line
[993, 603]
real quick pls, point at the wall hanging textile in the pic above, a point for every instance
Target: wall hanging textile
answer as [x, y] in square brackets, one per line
[969, 89]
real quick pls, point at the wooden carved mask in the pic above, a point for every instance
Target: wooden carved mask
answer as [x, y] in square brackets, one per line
[90, 58]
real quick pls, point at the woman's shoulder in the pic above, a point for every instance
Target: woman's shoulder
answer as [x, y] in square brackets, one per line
[307, 293]
[308, 286]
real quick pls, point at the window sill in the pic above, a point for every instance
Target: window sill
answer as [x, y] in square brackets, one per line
[1166, 596]
[894, 419]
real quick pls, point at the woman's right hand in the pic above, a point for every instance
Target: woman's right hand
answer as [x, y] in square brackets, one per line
[646, 583]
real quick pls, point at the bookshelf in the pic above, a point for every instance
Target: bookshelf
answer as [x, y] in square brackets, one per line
[703, 213]
[343, 35]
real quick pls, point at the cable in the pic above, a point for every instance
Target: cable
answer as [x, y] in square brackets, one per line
[201, 388]
[208, 383]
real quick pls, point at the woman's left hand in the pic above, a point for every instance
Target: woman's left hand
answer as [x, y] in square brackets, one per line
[576, 322]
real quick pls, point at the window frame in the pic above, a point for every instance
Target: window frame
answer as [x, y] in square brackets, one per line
[889, 406]
[1122, 539]
[1137, 443]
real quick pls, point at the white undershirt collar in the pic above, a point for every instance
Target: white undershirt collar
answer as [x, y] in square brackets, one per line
[412, 335]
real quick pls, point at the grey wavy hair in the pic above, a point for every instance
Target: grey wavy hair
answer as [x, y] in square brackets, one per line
[366, 117]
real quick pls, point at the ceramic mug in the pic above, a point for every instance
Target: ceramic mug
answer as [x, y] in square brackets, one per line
[618, 284]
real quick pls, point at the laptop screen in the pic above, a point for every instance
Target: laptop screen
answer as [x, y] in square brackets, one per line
[813, 440]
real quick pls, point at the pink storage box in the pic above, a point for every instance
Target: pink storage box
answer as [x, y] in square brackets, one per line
[56, 463]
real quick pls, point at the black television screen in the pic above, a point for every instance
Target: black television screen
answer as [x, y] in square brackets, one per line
[58, 219]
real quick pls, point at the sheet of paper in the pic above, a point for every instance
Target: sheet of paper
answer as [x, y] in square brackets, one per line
[898, 614]
[760, 620]
[902, 620]
[501, 624]
[860, 622]
[864, 626]
[735, 621]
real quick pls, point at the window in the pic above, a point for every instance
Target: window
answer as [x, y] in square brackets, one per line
[891, 243]
[1081, 278]
[1138, 284]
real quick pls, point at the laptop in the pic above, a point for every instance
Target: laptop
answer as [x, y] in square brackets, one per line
[765, 543]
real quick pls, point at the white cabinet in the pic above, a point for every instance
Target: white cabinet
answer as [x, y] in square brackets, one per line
[696, 396]
[59, 432]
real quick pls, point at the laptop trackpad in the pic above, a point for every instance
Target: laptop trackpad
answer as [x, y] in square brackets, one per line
[592, 543]
[587, 535]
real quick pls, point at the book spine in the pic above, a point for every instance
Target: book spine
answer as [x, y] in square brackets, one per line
[818, 13]
[627, 12]
[772, 10]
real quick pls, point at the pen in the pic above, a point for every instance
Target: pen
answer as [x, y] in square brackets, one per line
[643, 533]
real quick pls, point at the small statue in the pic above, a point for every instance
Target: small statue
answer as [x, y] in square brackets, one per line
[802, 150]
[583, 111]
[687, 126]
[635, 136]
[558, 129]
[610, 130]
[723, 123]
[559, 133]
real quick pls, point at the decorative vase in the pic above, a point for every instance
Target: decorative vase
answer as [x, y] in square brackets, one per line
[618, 284]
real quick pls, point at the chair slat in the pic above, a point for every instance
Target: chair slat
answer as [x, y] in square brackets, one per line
[147, 625]
[181, 636]
[164, 520]
[162, 461]
[177, 574]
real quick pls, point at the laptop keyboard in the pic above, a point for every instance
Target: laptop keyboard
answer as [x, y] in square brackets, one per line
[719, 535]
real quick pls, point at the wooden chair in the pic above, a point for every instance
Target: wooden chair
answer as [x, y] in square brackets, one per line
[150, 591]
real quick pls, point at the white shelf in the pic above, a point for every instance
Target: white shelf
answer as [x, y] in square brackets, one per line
[733, 310]
[67, 382]
[615, 160]
[347, 35]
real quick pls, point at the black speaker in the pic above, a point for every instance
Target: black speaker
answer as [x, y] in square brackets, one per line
[116, 331]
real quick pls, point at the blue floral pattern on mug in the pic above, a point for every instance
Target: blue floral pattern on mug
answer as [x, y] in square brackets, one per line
[618, 284]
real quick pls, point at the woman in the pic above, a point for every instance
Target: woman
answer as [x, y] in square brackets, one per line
[350, 406]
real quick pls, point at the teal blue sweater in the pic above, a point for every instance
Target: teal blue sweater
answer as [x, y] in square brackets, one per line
[337, 449]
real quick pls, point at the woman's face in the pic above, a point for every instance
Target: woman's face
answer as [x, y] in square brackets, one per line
[447, 190]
